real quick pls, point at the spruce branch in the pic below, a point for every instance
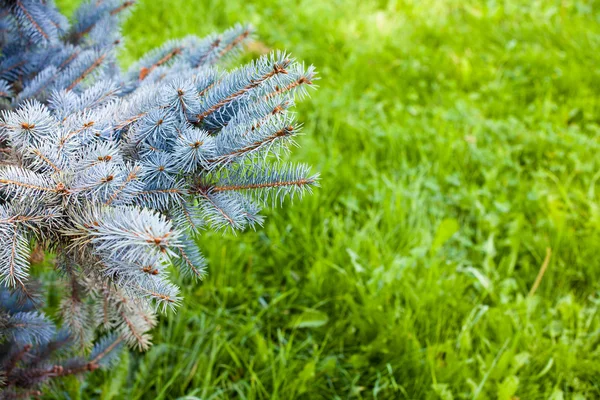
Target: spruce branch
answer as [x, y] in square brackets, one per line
[249, 78]
[31, 15]
[88, 64]
[118, 173]
[269, 181]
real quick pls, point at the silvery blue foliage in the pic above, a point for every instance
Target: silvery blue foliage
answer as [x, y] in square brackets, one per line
[117, 172]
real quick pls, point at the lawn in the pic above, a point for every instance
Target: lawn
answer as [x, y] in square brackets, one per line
[458, 145]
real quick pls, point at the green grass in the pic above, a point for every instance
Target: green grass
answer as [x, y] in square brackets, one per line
[457, 140]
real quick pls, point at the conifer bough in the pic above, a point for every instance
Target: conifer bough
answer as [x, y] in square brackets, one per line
[116, 172]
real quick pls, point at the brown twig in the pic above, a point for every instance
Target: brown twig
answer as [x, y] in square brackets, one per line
[541, 273]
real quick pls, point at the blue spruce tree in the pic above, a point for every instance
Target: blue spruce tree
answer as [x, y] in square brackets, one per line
[116, 172]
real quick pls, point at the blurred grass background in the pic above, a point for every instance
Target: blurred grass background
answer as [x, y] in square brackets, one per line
[457, 141]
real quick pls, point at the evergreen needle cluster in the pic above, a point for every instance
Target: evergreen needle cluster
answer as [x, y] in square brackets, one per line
[116, 172]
